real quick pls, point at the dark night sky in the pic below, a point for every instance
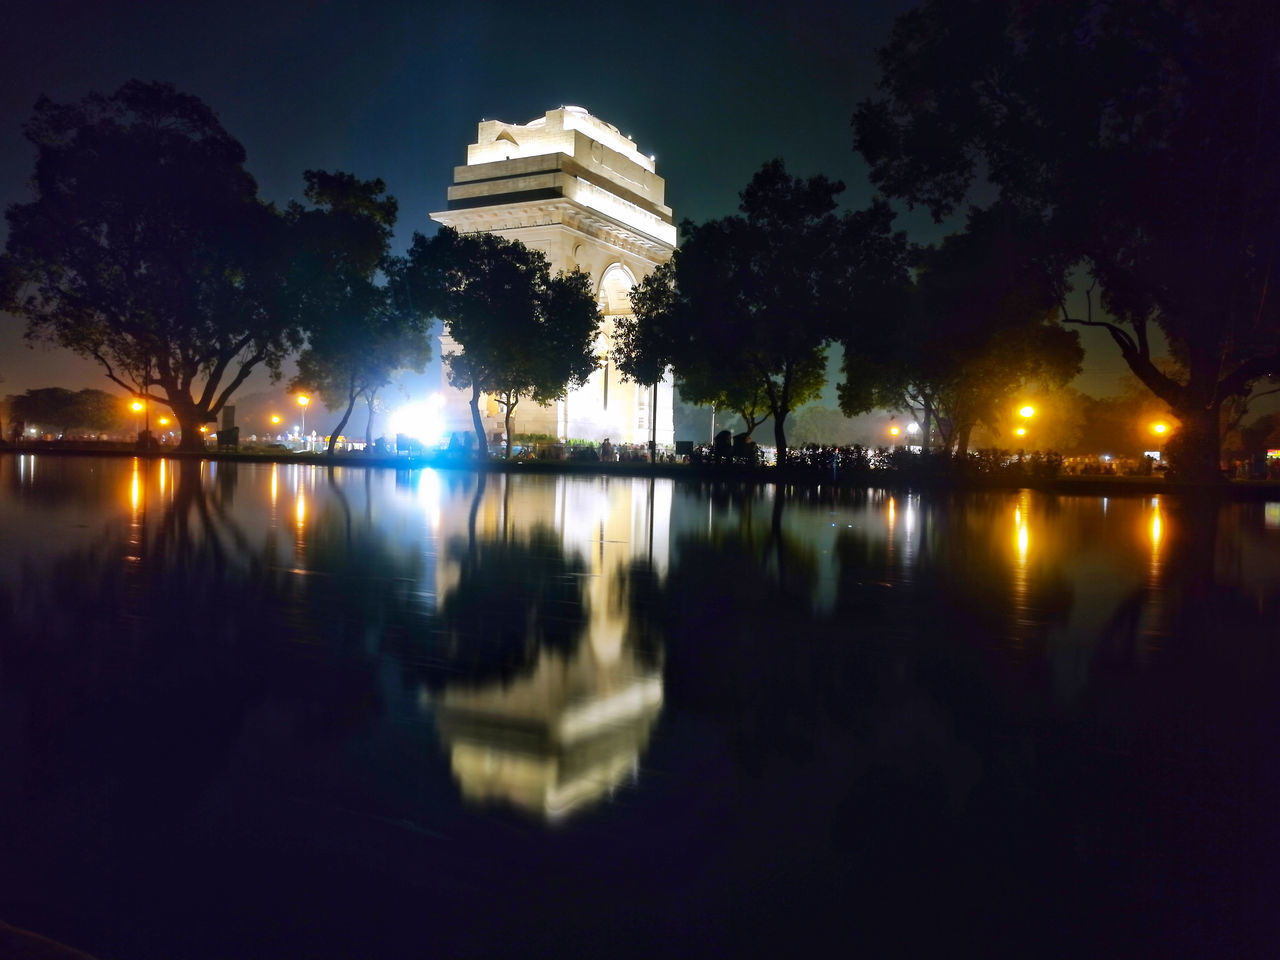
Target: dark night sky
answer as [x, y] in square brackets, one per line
[394, 90]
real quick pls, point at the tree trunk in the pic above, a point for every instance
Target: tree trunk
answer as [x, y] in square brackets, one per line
[506, 426]
[368, 424]
[478, 425]
[962, 442]
[333, 437]
[780, 435]
[190, 419]
[1194, 450]
[653, 423]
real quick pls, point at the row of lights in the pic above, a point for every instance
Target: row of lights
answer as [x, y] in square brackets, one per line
[1026, 413]
[138, 406]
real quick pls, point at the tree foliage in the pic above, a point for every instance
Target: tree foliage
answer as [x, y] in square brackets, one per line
[58, 410]
[147, 250]
[1137, 132]
[520, 331]
[644, 342]
[362, 325]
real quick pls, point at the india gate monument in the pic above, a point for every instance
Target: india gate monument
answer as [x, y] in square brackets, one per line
[570, 185]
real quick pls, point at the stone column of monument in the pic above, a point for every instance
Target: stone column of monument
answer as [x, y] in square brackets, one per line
[575, 188]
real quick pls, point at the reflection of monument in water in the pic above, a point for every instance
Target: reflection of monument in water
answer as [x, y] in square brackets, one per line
[569, 730]
[559, 738]
[570, 185]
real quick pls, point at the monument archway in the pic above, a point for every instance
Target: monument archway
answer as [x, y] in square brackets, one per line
[572, 186]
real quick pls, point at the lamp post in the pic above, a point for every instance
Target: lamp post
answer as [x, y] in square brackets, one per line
[275, 420]
[138, 407]
[302, 402]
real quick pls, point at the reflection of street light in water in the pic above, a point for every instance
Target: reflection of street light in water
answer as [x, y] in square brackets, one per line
[1022, 533]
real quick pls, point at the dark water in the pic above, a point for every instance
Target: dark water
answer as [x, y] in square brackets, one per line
[282, 711]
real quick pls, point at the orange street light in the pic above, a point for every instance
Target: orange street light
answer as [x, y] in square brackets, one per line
[893, 431]
[275, 418]
[1021, 431]
[302, 402]
[138, 407]
[1027, 412]
[1160, 428]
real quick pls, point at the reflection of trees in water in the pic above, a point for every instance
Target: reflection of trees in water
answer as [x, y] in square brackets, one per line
[732, 620]
[924, 703]
[134, 667]
[965, 583]
[1177, 788]
[514, 598]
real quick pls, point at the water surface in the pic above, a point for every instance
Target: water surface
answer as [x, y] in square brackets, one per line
[278, 711]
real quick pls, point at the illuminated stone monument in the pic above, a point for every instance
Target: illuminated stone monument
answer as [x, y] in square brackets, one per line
[570, 185]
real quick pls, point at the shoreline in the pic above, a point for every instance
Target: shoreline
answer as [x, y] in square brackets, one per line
[796, 476]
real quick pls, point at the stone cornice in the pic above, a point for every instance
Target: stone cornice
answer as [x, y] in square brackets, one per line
[560, 211]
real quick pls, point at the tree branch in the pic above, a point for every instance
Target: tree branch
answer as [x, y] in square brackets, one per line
[1237, 382]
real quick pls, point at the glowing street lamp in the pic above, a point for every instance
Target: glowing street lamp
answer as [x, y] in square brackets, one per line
[137, 407]
[302, 402]
[1160, 428]
[1026, 412]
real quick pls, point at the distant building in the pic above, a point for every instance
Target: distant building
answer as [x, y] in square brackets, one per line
[570, 185]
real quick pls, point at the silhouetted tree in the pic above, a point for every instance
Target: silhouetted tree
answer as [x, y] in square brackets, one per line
[978, 329]
[59, 410]
[643, 343]
[147, 250]
[522, 332]
[758, 296]
[361, 323]
[1135, 132]
[662, 329]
